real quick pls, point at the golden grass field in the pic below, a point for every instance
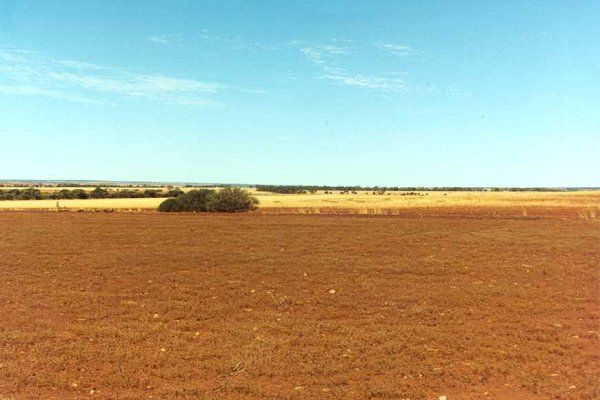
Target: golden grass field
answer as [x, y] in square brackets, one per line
[584, 203]
[87, 204]
[432, 199]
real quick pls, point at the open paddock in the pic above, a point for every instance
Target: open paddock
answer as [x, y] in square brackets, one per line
[253, 306]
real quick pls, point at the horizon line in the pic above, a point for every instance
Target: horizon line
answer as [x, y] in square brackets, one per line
[123, 182]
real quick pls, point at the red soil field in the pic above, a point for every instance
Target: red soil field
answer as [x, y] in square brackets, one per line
[258, 306]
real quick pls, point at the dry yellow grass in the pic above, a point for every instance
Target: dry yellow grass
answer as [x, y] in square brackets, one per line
[584, 199]
[588, 201]
[88, 204]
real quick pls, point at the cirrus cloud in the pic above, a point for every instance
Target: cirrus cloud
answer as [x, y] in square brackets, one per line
[29, 73]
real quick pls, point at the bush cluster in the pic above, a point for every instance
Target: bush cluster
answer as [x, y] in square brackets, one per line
[208, 200]
[97, 193]
[21, 194]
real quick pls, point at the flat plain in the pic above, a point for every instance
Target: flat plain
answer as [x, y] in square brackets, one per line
[581, 204]
[265, 306]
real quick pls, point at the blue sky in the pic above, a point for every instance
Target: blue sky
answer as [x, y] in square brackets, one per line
[435, 93]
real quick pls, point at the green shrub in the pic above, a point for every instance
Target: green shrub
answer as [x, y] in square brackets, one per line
[79, 194]
[152, 193]
[170, 205]
[99, 193]
[231, 200]
[203, 200]
[30, 194]
[195, 200]
[176, 192]
[192, 201]
[64, 194]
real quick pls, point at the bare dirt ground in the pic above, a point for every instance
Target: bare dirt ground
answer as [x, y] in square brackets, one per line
[168, 306]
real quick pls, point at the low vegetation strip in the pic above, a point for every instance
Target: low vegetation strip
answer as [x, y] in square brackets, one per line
[81, 194]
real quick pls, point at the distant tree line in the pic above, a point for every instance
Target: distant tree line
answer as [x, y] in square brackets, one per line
[120, 192]
[53, 184]
[207, 200]
[287, 189]
[97, 193]
[305, 189]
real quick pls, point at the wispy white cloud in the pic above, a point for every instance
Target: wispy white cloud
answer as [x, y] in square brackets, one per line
[80, 65]
[371, 82]
[160, 39]
[333, 57]
[329, 57]
[397, 49]
[236, 42]
[14, 56]
[320, 53]
[135, 84]
[165, 39]
[35, 74]
[25, 90]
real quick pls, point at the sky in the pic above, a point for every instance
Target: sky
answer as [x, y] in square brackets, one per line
[387, 92]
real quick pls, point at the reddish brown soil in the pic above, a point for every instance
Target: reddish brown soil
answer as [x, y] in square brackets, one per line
[165, 306]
